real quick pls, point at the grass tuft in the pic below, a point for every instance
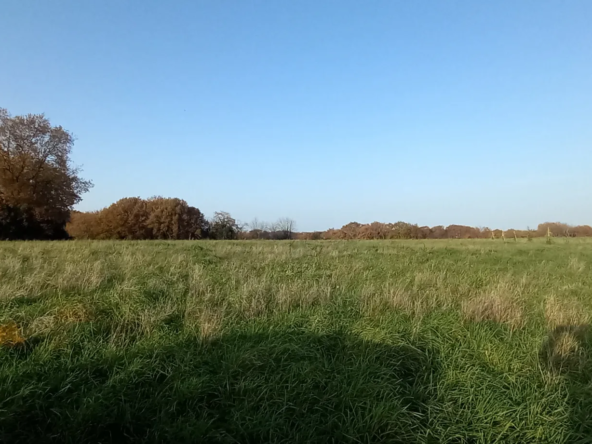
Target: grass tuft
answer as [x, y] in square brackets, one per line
[498, 306]
[565, 312]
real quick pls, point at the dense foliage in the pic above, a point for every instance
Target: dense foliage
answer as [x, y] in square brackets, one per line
[38, 184]
[135, 218]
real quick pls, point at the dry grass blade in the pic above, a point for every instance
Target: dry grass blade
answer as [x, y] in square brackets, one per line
[496, 307]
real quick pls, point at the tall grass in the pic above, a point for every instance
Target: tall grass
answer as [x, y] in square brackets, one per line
[361, 341]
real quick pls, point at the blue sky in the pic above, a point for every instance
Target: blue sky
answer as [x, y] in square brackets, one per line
[431, 112]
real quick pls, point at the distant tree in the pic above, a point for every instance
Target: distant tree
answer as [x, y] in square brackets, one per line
[172, 218]
[224, 226]
[256, 224]
[462, 232]
[257, 229]
[402, 230]
[86, 225]
[375, 230]
[332, 233]
[269, 229]
[438, 232]
[350, 231]
[135, 218]
[496, 234]
[424, 232]
[125, 219]
[582, 230]
[416, 232]
[37, 179]
[284, 228]
[485, 233]
[557, 229]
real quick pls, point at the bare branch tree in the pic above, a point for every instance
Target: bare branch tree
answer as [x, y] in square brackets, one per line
[285, 227]
[257, 228]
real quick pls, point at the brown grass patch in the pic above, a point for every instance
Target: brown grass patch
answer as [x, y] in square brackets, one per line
[209, 324]
[73, 314]
[496, 307]
[564, 312]
[53, 320]
[42, 325]
[411, 302]
[414, 303]
[10, 335]
[205, 322]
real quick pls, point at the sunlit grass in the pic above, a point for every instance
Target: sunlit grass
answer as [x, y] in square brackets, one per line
[361, 341]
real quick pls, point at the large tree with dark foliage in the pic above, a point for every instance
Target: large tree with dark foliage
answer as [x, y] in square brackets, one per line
[223, 226]
[38, 183]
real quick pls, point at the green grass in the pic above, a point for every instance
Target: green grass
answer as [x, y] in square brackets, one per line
[475, 341]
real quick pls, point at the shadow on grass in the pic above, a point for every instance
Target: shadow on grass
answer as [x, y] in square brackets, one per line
[283, 386]
[22, 301]
[567, 351]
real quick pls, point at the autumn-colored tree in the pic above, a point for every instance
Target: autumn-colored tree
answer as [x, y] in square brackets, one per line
[438, 232]
[497, 233]
[403, 230]
[174, 219]
[86, 225]
[462, 232]
[424, 232]
[582, 230]
[37, 178]
[135, 218]
[332, 233]
[375, 230]
[125, 219]
[313, 235]
[557, 229]
[351, 231]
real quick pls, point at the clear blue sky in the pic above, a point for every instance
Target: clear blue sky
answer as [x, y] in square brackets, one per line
[431, 112]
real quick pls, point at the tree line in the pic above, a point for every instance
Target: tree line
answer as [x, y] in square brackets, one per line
[133, 218]
[39, 187]
[169, 218]
[403, 230]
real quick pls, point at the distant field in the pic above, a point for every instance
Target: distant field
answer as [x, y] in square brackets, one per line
[245, 342]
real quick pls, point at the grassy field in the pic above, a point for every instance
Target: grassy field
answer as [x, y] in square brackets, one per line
[475, 341]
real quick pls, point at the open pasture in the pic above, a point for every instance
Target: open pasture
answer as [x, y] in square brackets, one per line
[474, 341]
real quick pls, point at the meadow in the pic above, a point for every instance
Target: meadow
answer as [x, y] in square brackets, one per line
[445, 341]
